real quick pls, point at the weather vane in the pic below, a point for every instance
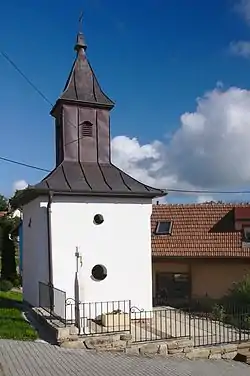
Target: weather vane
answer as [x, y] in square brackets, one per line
[80, 21]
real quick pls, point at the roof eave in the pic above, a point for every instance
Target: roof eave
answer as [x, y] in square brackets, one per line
[61, 101]
[30, 193]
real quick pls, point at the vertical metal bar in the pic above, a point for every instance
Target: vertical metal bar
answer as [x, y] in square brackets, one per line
[189, 325]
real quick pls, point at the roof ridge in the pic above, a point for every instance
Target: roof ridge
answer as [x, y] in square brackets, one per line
[212, 203]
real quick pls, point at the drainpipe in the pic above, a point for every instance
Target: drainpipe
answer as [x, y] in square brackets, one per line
[50, 284]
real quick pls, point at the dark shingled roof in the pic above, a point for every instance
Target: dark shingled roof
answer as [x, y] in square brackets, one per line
[82, 84]
[93, 178]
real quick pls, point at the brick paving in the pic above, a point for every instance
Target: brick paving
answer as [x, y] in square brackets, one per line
[37, 359]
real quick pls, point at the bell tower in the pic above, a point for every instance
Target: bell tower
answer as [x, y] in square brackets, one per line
[82, 115]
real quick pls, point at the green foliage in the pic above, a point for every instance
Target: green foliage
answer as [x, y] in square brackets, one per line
[17, 282]
[204, 304]
[8, 260]
[3, 203]
[218, 312]
[8, 247]
[14, 200]
[239, 294]
[13, 325]
[5, 285]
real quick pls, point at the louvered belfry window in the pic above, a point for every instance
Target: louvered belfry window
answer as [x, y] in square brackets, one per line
[86, 129]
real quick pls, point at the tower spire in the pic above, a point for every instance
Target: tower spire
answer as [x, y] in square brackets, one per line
[80, 40]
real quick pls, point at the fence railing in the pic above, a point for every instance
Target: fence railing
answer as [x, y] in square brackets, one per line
[99, 317]
[52, 300]
[204, 328]
[220, 325]
[159, 325]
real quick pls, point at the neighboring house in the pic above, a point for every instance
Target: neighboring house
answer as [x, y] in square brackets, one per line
[199, 250]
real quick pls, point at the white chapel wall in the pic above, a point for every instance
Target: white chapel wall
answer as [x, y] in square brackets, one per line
[122, 244]
[35, 256]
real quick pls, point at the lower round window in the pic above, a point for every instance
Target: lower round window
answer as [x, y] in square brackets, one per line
[99, 272]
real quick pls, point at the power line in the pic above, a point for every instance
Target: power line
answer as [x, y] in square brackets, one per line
[26, 78]
[173, 190]
[15, 66]
[205, 191]
[23, 164]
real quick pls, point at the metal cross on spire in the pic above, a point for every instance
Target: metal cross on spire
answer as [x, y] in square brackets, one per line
[80, 21]
[80, 42]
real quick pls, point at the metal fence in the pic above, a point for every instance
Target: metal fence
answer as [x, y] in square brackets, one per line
[99, 317]
[205, 328]
[219, 325]
[52, 300]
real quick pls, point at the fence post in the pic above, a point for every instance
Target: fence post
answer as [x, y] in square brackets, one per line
[51, 297]
[240, 328]
[189, 324]
[130, 324]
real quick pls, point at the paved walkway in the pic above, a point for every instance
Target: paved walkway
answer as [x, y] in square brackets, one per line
[36, 359]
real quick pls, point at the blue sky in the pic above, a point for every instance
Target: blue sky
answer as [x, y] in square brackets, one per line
[154, 58]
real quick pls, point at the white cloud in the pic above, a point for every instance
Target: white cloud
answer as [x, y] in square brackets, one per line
[204, 198]
[243, 8]
[19, 184]
[210, 149]
[240, 48]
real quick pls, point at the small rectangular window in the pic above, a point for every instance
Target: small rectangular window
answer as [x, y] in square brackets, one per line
[163, 228]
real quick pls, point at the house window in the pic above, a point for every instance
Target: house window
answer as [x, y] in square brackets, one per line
[86, 129]
[163, 228]
[247, 234]
[172, 288]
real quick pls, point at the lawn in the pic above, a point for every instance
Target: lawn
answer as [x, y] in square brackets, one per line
[12, 323]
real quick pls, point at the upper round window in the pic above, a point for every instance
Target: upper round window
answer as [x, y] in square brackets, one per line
[99, 272]
[98, 219]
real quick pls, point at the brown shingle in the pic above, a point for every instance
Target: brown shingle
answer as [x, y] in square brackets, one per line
[198, 230]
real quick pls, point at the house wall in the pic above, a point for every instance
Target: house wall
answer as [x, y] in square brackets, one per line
[215, 277]
[122, 243]
[212, 277]
[35, 250]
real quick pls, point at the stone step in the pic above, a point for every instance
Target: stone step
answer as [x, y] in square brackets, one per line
[243, 356]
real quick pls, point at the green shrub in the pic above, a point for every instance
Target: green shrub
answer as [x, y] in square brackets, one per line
[5, 285]
[204, 304]
[239, 294]
[218, 312]
[17, 281]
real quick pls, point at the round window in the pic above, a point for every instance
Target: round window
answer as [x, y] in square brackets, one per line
[98, 219]
[99, 272]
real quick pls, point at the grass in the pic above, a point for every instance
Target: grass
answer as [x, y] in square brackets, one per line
[12, 323]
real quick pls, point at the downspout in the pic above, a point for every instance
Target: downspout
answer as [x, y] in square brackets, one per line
[50, 284]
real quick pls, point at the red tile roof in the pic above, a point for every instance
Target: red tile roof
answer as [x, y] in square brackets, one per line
[198, 230]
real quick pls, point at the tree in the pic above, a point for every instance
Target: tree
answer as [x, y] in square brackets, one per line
[3, 203]
[8, 264]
